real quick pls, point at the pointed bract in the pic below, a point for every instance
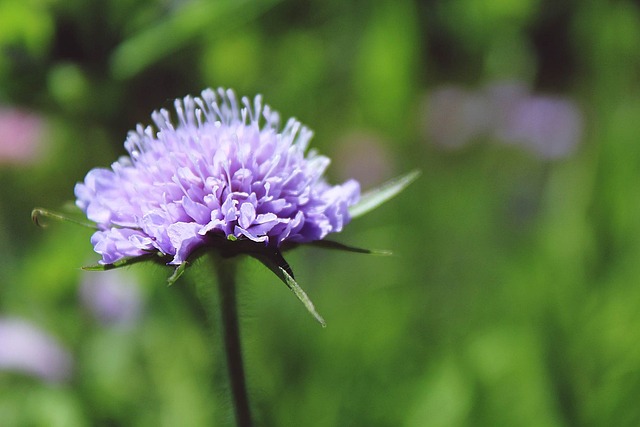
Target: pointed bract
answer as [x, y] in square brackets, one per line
[38, 213]
[374, 198]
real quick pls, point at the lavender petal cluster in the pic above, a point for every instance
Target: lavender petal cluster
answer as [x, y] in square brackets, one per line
[222, 169]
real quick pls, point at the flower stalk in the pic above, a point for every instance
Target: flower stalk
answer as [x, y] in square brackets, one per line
[230, 328]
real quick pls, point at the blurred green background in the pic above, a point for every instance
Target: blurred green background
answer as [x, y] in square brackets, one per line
[512, 297]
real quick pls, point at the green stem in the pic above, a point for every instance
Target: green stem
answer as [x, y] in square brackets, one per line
[226, 271]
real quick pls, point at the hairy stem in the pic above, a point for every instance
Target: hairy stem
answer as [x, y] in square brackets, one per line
[226, 271]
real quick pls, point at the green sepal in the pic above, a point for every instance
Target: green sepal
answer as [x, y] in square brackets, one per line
[275, 262]
[374, 198]
[154, 256]
[38, 213]
[124, 262]
[179, 271]
[330, 244]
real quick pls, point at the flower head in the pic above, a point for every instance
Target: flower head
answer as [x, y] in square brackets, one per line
[220, 170]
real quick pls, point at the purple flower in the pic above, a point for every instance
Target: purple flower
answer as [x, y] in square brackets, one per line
[363, 155]
[26, 348]
[22, 136]
[550, 127]
[219, 171]
[454, 117]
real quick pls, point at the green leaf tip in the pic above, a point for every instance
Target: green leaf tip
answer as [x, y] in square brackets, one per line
[331, 244]
[38, 213]
[302, 296]
[381, 252]
[275, 262]
[374, 198]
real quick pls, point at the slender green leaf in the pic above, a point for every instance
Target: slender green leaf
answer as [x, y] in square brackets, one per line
[275, 262]
[120, 263]
[302, 296]
[374, 198]
[330, 244]
[38, 213]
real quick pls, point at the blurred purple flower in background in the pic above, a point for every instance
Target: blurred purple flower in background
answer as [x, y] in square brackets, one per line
[550, 127]
[454, 117]
[21, 136]
[499, 99]
[221, 171]
[26, 348]
[363, 156]
[112, 297]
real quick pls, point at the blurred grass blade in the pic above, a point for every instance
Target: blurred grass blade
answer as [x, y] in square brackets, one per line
[185, 24]
[275, 262]
[374, 198]
[38, 213]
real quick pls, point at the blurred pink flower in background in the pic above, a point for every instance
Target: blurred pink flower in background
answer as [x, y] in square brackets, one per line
[112, 297]
[27, 349]
[362, 156]
[550, 127]
[22, 136]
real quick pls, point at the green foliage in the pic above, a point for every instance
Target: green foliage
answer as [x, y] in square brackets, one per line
[377, 196]
[511, 296]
